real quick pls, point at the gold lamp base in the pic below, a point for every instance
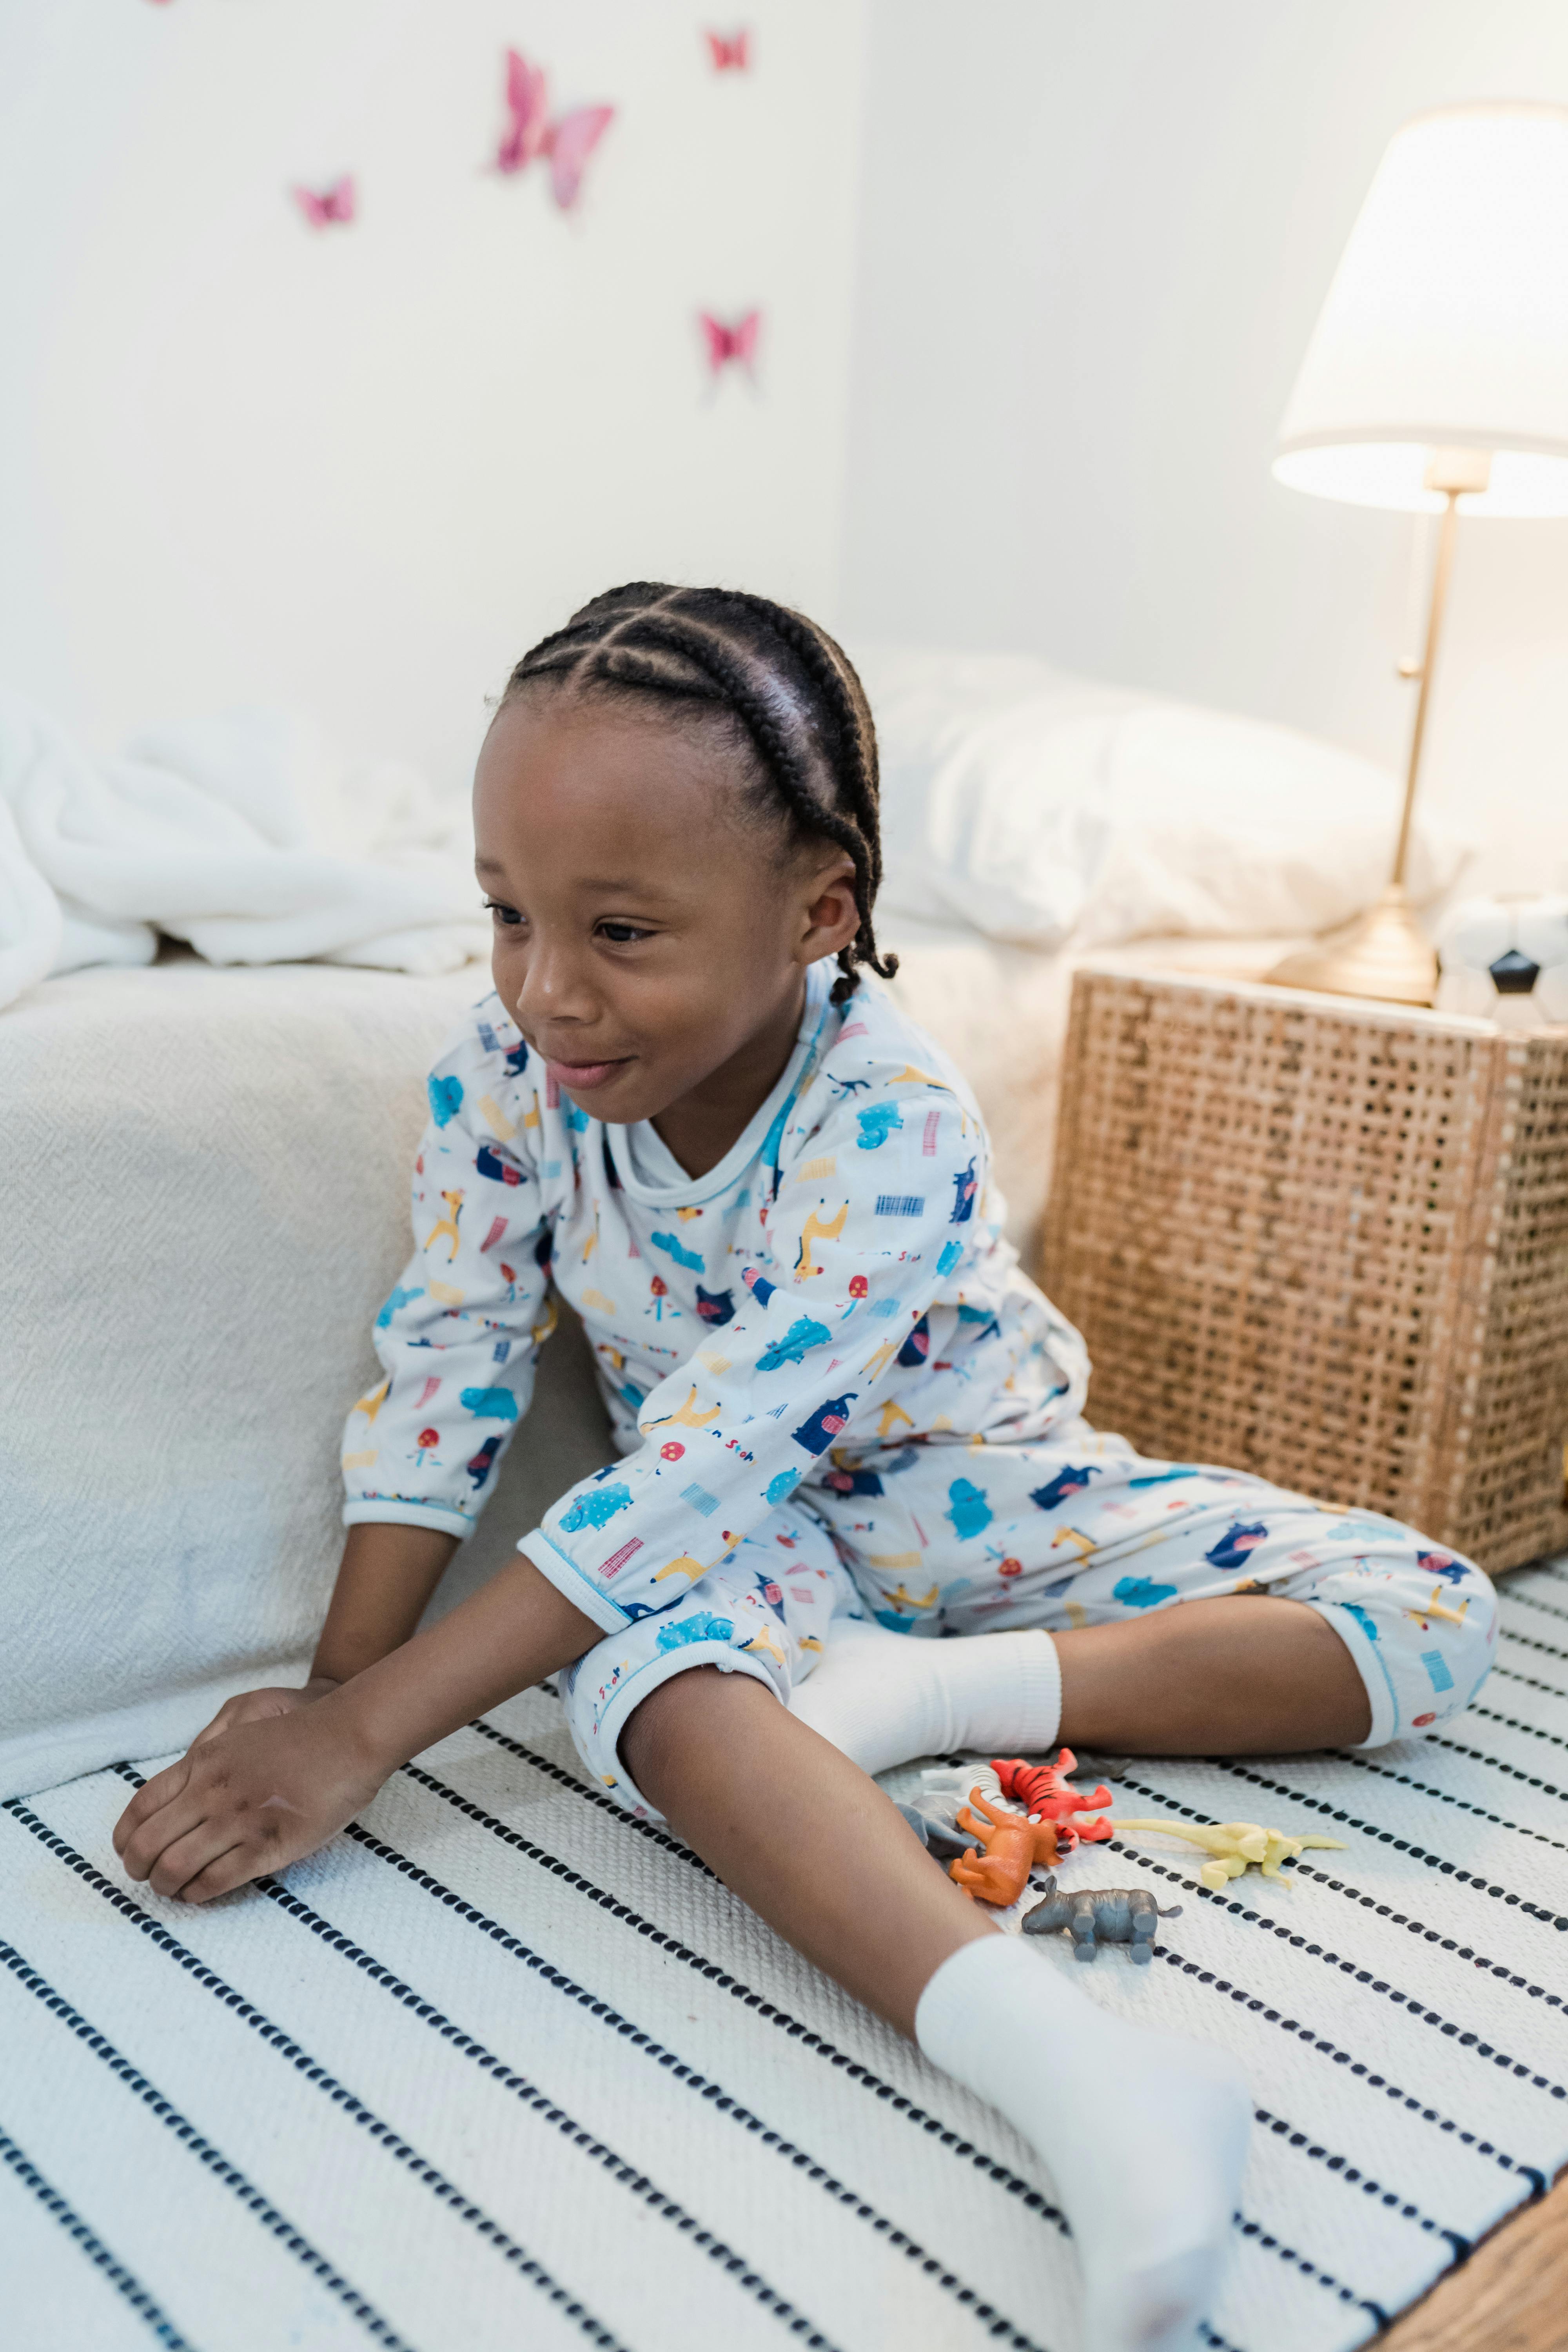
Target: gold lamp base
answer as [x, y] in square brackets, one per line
[1383, 953]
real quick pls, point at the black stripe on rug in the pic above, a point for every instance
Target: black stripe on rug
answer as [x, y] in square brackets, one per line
[1530, 1642]
[807, 2038]
[496, 2068]
[1339, 2166]
[1512, 1675]
[1513, 1722]
[1496, 1763]
[1468, 2041]
[88, 2242]
[1461, 1804]
[184, 2131]
[1527, 1600]
[1401, 1846]
[1409, 2002]
[321, 2078]
[719, 2101]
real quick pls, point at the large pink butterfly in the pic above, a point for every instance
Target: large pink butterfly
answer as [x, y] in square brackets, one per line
[731, 52]
[730, 344]
[565, 141]
[333, 203]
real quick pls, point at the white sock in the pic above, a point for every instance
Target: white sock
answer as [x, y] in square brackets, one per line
[883, 1697]
[1144, 2135]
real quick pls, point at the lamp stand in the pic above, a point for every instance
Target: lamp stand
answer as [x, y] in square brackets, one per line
[1385, 953]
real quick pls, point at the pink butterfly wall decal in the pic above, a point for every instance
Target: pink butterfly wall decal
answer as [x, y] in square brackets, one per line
[731, 52]
[730, 343]
[564, 142]
[333, 205]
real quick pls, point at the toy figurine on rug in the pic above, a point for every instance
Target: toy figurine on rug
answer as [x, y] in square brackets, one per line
[1101, 1914]
[1235, 1845]
[1042, 1789]
[1011, 1848]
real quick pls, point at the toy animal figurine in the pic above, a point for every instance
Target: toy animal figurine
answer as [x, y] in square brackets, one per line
[1093, 1915]
[1012, 1847]
[1235, 1845]
[937, 1835]
[1042, 1789]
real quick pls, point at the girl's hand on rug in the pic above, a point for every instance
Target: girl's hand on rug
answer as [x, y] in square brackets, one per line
[261, 1705]
[250, 1800]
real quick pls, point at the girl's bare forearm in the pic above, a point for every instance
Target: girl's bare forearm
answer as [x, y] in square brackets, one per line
[387, 1575]
[509, 1634]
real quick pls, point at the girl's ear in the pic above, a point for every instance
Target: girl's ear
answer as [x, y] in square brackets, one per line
[830, 916]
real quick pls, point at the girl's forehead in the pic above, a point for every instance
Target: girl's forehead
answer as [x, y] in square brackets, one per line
[590, 793]
[538, 753]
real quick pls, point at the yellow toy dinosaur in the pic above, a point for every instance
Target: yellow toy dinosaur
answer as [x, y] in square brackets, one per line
[1235, 1845]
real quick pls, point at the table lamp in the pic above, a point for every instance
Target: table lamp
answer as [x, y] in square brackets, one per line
[1436, 379]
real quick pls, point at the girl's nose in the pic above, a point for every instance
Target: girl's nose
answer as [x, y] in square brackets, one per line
[555, 985]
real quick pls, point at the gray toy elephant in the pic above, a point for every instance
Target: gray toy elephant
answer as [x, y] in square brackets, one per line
[1101, 1914]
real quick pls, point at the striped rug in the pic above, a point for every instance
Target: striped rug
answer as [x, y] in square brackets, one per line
[502, 2068]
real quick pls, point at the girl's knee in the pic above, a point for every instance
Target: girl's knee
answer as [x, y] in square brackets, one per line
[1423, 1629]
[654, 1721]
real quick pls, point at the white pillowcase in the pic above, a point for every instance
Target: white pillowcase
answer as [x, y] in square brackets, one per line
[1041, 807]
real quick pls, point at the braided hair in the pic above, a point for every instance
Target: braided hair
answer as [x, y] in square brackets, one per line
[787, 690]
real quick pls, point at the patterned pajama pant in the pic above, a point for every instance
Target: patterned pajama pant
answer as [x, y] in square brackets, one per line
[1077, 1531]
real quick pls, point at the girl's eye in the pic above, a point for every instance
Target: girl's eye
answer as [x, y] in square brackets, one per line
[508, 916]
[622, 934]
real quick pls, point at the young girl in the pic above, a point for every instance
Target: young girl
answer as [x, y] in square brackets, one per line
[844, 1417]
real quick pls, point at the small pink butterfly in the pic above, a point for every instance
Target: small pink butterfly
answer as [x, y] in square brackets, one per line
[566, 142]
[730, 344]
[333, 203]
[731, 52]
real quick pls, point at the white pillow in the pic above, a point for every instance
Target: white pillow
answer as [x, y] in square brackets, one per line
[1039, 807]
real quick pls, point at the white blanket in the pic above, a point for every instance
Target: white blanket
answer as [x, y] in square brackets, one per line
[243, 834]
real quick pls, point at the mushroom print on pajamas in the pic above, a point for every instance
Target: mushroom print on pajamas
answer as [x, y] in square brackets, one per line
[837, 1366]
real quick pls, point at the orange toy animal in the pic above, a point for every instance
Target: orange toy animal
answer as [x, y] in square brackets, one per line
[1013, 1846]
[1042, 1789]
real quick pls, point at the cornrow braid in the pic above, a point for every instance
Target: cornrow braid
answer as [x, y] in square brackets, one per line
[784, 681]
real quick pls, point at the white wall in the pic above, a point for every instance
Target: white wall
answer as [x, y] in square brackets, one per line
[360, 471]
[1094, 242]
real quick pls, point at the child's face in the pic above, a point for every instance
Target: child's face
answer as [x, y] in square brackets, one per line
[647, 936]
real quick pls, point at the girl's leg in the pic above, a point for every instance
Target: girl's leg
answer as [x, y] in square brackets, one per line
[1144, 2136]
[1215, 1677]
[1209, 1613]
[1220, 1677]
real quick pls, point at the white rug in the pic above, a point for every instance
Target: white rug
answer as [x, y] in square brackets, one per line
[500, 2068]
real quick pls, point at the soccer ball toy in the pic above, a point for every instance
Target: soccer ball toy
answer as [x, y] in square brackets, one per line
[1505, 960]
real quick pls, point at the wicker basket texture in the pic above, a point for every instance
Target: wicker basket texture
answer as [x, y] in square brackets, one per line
[1326, 1241]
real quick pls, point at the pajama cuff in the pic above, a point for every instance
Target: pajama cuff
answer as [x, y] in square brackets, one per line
[569, 1581]
[1372, 1669]
[409, 1515]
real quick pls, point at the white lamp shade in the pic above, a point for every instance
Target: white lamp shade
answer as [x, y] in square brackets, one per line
[1446, 323]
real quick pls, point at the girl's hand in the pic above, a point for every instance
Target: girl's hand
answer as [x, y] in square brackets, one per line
[249, 1799]
[258, 1706]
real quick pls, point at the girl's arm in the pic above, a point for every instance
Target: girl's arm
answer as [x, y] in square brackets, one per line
[388, 1574]
[271, 1790]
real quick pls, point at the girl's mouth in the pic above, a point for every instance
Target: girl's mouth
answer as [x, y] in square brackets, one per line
[582, 1078]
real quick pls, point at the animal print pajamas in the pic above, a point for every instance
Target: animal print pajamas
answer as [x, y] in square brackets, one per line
[832, 1391]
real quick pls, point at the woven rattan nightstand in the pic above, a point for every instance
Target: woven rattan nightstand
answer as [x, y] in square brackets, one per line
[1325, 1240]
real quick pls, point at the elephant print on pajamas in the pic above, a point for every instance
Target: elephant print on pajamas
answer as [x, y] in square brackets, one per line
[875, 1124]
[1232, 1546]
[817, 1432]
[1069, 1481]
[794, 1348]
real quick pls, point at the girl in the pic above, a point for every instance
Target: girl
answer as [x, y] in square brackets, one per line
[844, 1418]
